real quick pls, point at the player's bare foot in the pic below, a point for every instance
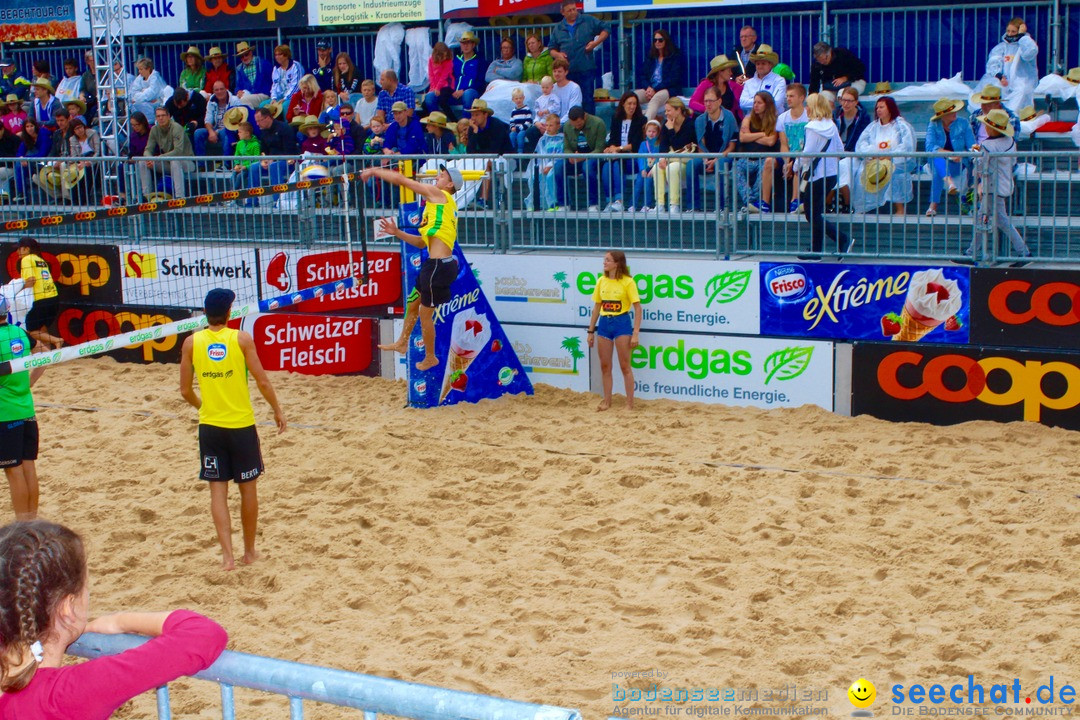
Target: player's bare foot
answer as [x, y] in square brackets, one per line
[604, 405]
[399, 347]
[630, 404]
[250, 557]
[427, 363]
[228, 564]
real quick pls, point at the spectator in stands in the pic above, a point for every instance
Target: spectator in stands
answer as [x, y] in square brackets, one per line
[834, 69]
[1000, 183]
[765, 80]
[41, 71]
[254, 77]
[193, 76]
[138, 135]
[585, 134]
[247, 146]
[461, 136]
[311, 130]
[650, 181]
[719, 77]
[947, 135]
[627, 133]
[547, 101]
[851, 120]
[521, 119]
[890, 137]
[324, 68]
[568, 91]
[821, 137]
[85, 142]
[660, 75]
[76, 108]
[1013, 63]
[404, 136]
[677, 137]
[9, 148]
[469, 81]
[68, 87]
[276, 138]
[437, 140]
[347, 81]
[188, 109]
[167, 139]
[507, 67]
[550, 167]
[213, 129]
[537, 63]
[376, 138]
[754, 176]
[356, 131]
[716, 130]
[392, 92]
[216, 69]
[748, 45]
[148, 91]
[488, 135]
[45, 103]
[61, 136]
[989, 98]
[35, 142]
[368, 105]
[285, 79]
[340, 140]
[307, 100]
[575, 39]
[440, 81]
[331, 107]
[88, 87]
[12, 114]
[11, 82]
[791, 125]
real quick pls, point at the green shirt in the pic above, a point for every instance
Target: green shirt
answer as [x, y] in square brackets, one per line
[247, 148]
[16, 402]
[193, 80]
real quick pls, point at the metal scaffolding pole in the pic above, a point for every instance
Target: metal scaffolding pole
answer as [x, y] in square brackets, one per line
[107, 35]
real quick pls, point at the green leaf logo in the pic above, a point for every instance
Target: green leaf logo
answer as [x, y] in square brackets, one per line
[55, 358]
[727, 287]
[157, 332]
[108, 344]
[788, 363]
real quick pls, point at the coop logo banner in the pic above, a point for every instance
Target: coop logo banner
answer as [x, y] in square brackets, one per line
[83, 273]
[144, 17]
[851, 302]
[221, 15]
[167, 276]
[84, 324]
[313, 344]
[951, 385]
[730, 370]
[284, 271]
[1026, 308]
[553, 356]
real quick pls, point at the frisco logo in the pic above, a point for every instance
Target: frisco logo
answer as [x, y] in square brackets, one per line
[420, 386]
[17, 347]
[415, 260]
[787, 283]
[418, 343]
[319, 292]
[296, 297]
[274, 304]
[216, 352]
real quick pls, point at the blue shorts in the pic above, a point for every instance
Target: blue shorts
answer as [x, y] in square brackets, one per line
[613, 326]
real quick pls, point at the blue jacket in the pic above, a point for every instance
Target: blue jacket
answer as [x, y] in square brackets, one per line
[263, 77]
[959, 133]
[976, 125]
[647, 147]
[469, 74]
[15, 84]
[671, 74]
[861, 122]
[408, 140]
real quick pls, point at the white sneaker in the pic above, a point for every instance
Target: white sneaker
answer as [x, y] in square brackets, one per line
[674, 209]
[631, 210]
[616, 206]
[645, 209]
[593, 208]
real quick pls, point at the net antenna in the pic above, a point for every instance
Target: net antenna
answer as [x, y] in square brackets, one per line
[365, 273]
[107, 34]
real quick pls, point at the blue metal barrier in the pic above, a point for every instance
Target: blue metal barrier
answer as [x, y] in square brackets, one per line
[300, 682]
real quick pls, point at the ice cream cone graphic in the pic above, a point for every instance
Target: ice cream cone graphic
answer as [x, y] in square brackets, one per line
[468, 337]
[931, 300]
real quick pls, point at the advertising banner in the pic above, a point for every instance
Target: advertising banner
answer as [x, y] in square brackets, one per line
[350, 12]
[177, 276]
[82, 273]
[1026, 308]
[97, 322]
[288, 270]
[946, 385]
[489, 8]
[906, 303]
[700, 5]
[552, 355]
[476, 360]
[731, 370]
[689, 296]
[26, 20]
[143, 17]
[314, 344]
[231, 15]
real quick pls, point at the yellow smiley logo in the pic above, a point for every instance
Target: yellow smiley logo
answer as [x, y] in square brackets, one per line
[862, 693]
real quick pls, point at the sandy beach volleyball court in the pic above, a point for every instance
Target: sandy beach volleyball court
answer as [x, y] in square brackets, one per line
[530, 547]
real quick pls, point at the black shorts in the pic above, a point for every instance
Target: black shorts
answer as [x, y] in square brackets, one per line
[436, 277]
[42, 313]
[229, 454]
[18, 442]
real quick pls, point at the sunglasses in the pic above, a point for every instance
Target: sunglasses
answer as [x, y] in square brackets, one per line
[658, 40]
[346, 113]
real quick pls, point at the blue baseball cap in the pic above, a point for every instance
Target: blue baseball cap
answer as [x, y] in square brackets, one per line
[218, 301]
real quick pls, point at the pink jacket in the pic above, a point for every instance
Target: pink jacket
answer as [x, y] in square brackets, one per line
[440, 75]
[697, 100]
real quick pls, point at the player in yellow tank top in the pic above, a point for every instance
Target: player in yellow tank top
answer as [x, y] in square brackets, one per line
[616, 294]
[438, 233]
[35, 272]
[221, 359]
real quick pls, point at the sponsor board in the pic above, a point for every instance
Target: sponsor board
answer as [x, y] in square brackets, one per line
[143, 17]
[82, 273]
[557, 356]
[285, 271]
[179, 276]
[1026, 308]
[947, 385]
[225, 15]
[688, 296]
[732, 370]
[601, 6]
[866, 302]
[313, 344]
[346, 12]
[25, 20]
[89, 323]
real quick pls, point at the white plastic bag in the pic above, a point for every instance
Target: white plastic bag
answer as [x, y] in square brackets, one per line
[952, 88]
[498, 97]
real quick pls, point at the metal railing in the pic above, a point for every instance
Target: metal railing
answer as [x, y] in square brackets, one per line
[368, 693]
[530, 202]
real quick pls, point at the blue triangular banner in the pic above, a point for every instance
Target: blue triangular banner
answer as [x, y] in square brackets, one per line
[476, 361]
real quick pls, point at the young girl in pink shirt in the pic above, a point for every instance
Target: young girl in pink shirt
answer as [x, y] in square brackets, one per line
[441, 81]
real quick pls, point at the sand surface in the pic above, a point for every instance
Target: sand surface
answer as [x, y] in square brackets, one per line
[531, 547]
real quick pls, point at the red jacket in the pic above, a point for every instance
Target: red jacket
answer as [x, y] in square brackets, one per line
[297, 106]
[223, 73]
[440, 75]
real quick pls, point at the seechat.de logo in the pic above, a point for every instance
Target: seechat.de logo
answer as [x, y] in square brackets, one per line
[216, 352]
[787, 283]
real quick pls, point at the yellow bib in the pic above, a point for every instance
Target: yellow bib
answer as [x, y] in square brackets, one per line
[440, 221]
[222, 374]
[32, 266]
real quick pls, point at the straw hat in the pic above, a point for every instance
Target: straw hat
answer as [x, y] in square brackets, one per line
[718, 63]
[877, 174]
[989, 94]
[480, 105]
[214, 52]
[311, 121]
[882, 88]
[158, 197]
[71, 174]
[1073, 76]
[48, 177]
[77, 103]
[192, 50]
[436, 118]
[944, 106]
[468, 36]
[274, 107]
[765, 52]
[999, 120]
[1028, 113]
[43, 84]
[233, 117]
[243, 47]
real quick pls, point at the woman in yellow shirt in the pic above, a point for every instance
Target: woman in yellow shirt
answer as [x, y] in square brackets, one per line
[36, 275]
[615, 294]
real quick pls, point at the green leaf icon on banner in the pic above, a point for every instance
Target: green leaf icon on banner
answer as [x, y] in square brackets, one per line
[726, 287]
[55, 358]
[108, 344]
[788, 363]
[157, 332]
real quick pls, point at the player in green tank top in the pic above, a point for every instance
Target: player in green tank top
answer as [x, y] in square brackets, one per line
[18, 422]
